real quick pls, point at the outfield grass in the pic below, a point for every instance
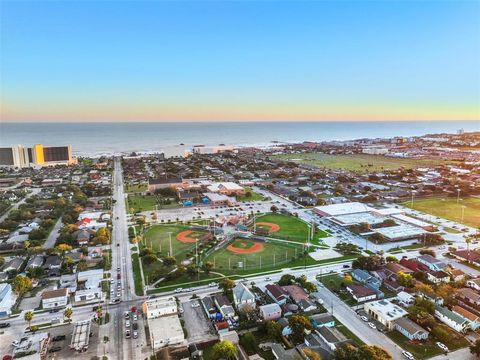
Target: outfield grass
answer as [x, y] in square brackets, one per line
[291, 228]
[272, 255]
[448, 208]
[357, 162]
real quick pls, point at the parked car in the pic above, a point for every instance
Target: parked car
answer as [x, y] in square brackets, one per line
[442, 346]
[408, 355]
[364, 318]
[135, 334]
[127, 323]
[127, 334]
[178, 290]
[134, 317]
[55, 349]
[58, 338]
[372, 325]
[127, 315]
[4, 325]
[134, 326]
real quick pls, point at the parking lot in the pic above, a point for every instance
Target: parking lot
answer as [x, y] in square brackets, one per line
[65, 352]
[210, 211]
[197, 324]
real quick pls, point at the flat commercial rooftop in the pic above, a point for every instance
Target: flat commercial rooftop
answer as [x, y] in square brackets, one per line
[364, 217]
[400, 232]
[166, 329]
[343, 209]
[411, 220]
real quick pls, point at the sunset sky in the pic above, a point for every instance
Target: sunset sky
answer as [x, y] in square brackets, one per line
[239, 61]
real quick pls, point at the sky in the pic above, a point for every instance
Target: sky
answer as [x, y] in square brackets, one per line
[239, 61]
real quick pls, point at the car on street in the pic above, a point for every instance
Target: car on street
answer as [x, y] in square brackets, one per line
[118, 268]
[135, 334]
[15, 343]
[127, 315]
[134, 326]
[4, 325]
[213, 284]
[372, 325]
[178, 290]
[127, 323]
[364, 318]
[58, 338]
[268, 278]
[127, 334]
[134, 317]
[119, 293]
[408, 355]
[442, 346]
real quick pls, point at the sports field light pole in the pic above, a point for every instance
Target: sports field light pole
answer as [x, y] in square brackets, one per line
[458, 196]
[463, 212]
[411, 202]
[196, 258]
[170, 240]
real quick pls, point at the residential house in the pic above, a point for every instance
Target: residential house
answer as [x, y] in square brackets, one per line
[456, 274]
[467, 255]
[243, 296]
[7, 300]
[405, 299]
[280, 353]
[224, 306]
[209, 306]
[438, 277]
[277, 294]
[393, 268]
[90, 279]
[35, 261]
[69, 281]
[325, 319]
[286, 329]
[469, 296]
[270, 311]
[300, 297]
[453, 320]
[360, 293]
[410, 329]
[331, 337]
[432, 263]
[474, 320]
[474, 283]
[89, 295]
[52, 265]
[14, 265]
[364, 277]
[54, 299]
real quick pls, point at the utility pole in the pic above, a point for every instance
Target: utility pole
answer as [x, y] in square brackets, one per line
[463, 212]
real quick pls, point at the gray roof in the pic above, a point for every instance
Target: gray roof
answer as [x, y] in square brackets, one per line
[331, 335]
[451, 315]
[242, 293]
[409, 325]
[322, 318]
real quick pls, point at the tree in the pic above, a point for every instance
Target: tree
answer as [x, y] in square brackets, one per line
[311, 355]
[21, 284]
[364, 352]
[404, 279]
[378, 238]
[286, 279]
[169, 261]
[207, 267]
[249, 343]
[2, 260]
[64, 247]
[368, 262]
[273, 209]
[68, 312]
[475, 348]
[28, 317]
[347, 279]
[273, 330]
[192, 270]
[441, 333]
[35, 271]
[310, 287]
[427, 252]
[226, 285]
[225, 349]
[82, 265]
[391, 259]
[298, 324]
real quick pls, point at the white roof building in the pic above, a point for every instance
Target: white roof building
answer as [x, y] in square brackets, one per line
[385, 312]
[158, 307]
[342, 209]
[165, 331]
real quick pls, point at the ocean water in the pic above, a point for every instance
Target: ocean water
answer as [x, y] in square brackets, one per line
[117, 138]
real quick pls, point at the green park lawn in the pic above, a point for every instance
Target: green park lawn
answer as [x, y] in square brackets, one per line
[134, 188]
[356, 162]
[291, 228]
[253, 196]
[448, 208]
[136, 203]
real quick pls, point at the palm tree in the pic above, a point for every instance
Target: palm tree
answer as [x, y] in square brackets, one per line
[68, 314]
[28, 316]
